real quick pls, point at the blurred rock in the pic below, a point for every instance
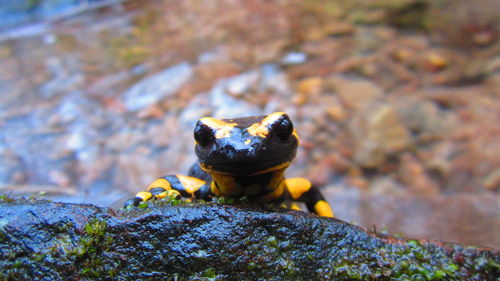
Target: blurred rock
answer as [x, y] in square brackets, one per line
[294, 58]
[492, 180]
[355, 93]
[413, 175]
[423, 118]
[163, 84]
[308, 88]
[242, 83]
[335, 109]
[10, 166]
[377, 133]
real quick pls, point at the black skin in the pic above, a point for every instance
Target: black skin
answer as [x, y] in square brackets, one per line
[241, 157]
[231, 154]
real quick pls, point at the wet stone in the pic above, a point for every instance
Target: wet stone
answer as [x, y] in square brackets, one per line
[377, 133]
[69, 241]
[355, 93]
[160, 85]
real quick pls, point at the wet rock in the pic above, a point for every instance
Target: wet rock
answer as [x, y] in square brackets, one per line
[294, 58]
[335, 109]
[10, 165]
[492, 180]
[152, 89]
[423, 118]
[378, 132]
[470, 218]
[413, 175]
[239, 93]
[242, 83]
[308, 89]
[355, 93]
[68, 241]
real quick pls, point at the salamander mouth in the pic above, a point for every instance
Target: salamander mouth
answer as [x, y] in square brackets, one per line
[243, 168]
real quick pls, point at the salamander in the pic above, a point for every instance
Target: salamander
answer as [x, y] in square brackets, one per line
[242, 157]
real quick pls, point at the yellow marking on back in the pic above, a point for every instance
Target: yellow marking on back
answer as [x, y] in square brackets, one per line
[190, 184]
[278, 177]
[144, 195]
[323, 209]
[215, 190]
[174, 194]
[163, 183]
[281, 166]
[295, 206]
[210, 169]
[297, 186]
[247, 141]
[275, 194]
[261, 129]
[227, 185]
[222, 128]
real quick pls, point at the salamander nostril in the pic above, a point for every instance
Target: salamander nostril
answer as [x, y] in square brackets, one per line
[228, 151]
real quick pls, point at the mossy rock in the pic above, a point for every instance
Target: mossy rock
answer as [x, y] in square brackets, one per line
[59, 241]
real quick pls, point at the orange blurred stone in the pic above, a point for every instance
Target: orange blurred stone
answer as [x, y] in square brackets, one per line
[413, 175]
[310, 86]
[492, 180]
[435, 62]
[359, 182]
[307, 88]
[151, 112]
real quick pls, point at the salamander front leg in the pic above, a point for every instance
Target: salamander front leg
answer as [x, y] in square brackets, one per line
[172, 186]
[301, 189]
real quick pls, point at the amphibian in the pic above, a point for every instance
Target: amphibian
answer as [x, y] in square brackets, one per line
[242, 157]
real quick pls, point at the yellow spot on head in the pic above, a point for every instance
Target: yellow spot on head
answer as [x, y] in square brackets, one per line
[222, 128]
[261, 129]
[247, 141]
[296, 135]
[258, 130]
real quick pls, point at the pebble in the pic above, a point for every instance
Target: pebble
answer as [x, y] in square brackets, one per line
[355, 93]
[294, 58]
[152, 89]
[377, 132]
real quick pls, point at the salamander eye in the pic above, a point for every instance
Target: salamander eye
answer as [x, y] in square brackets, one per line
[284, 128]
[203, 135]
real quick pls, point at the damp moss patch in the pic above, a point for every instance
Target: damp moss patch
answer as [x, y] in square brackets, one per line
[56, 241]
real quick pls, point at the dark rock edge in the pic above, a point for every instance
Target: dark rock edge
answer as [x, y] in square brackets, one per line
[42, 240]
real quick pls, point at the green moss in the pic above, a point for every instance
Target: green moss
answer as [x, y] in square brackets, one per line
[36, 197]
[87, 252]
[412, 261]
[225, 200]
[271, 241]
[6, 198]
[96, 227]
[143, 205]
[208, 275]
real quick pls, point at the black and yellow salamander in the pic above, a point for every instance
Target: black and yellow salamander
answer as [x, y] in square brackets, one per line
[242, 157]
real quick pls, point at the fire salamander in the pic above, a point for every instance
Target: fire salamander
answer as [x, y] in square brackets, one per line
[242, 157]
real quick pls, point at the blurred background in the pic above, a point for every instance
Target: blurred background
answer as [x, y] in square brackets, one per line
[396, 102]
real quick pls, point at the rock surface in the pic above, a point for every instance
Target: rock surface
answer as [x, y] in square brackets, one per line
[56, 241]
